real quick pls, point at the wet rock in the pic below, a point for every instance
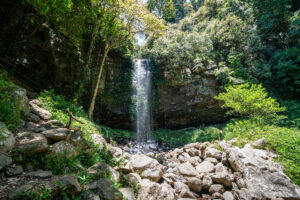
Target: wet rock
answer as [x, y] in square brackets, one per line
[7, 140]
[152, 191]
[69, 183]
[205, 167]
[14, 170]
[56, 134]
[40, 174]
[42, 113]
[127, 193]
[186, 169]
[63, 147]
[228, 196]
[216, 188]
[261, 176]
[18, 191]
[32, 143]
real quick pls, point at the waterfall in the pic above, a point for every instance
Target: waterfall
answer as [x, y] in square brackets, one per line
[142, 88]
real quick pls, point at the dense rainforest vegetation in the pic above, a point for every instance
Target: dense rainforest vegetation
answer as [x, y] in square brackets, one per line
[78, 54]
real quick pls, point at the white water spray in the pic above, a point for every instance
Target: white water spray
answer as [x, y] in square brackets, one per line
[142, 86]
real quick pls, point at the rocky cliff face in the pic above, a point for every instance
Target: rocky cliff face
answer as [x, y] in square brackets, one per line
[189, 104]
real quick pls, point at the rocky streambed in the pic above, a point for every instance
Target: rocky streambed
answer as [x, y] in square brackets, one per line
[215, 170]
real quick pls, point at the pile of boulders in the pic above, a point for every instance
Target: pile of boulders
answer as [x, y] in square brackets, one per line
[210, 171]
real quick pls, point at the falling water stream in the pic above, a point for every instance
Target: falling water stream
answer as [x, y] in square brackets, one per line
[143, 96]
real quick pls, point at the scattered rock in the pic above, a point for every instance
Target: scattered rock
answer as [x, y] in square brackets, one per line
[205, 167]
[32, 143]
[40, 174]
[14, 194]
[216, 188]
[127, 193]
[186, 169]
[69, 183]
[260, 144]
[216, 195]
[152, 191]
[183, 191]
[98, 140]
[40, 129]
[90, 195]
[56, 134]
[33, 117]
[195, 184]
[101, 169]
[228, 196]
[206, 182]
[30, 126]
[105, 189]
[7, 140]
[214, 153]
[153, 173]
[44, 114]
[14, 170]
[134, 178]
[63, 147]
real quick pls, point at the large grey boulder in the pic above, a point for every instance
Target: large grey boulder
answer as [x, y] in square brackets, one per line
[32, 143]
[262, 176]
[153, 191]
[7, 140]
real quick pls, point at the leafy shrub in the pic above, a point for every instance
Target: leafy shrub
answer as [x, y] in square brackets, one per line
[9, 114]
[178, 138]
[250, 101]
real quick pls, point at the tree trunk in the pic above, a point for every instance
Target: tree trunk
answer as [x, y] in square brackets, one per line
[92, 105]
[87, 65]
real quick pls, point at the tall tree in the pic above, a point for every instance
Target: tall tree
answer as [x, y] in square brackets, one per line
[123, 19]
[164, 9]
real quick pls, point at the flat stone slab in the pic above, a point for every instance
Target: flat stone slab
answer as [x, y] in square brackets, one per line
[40, 174]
